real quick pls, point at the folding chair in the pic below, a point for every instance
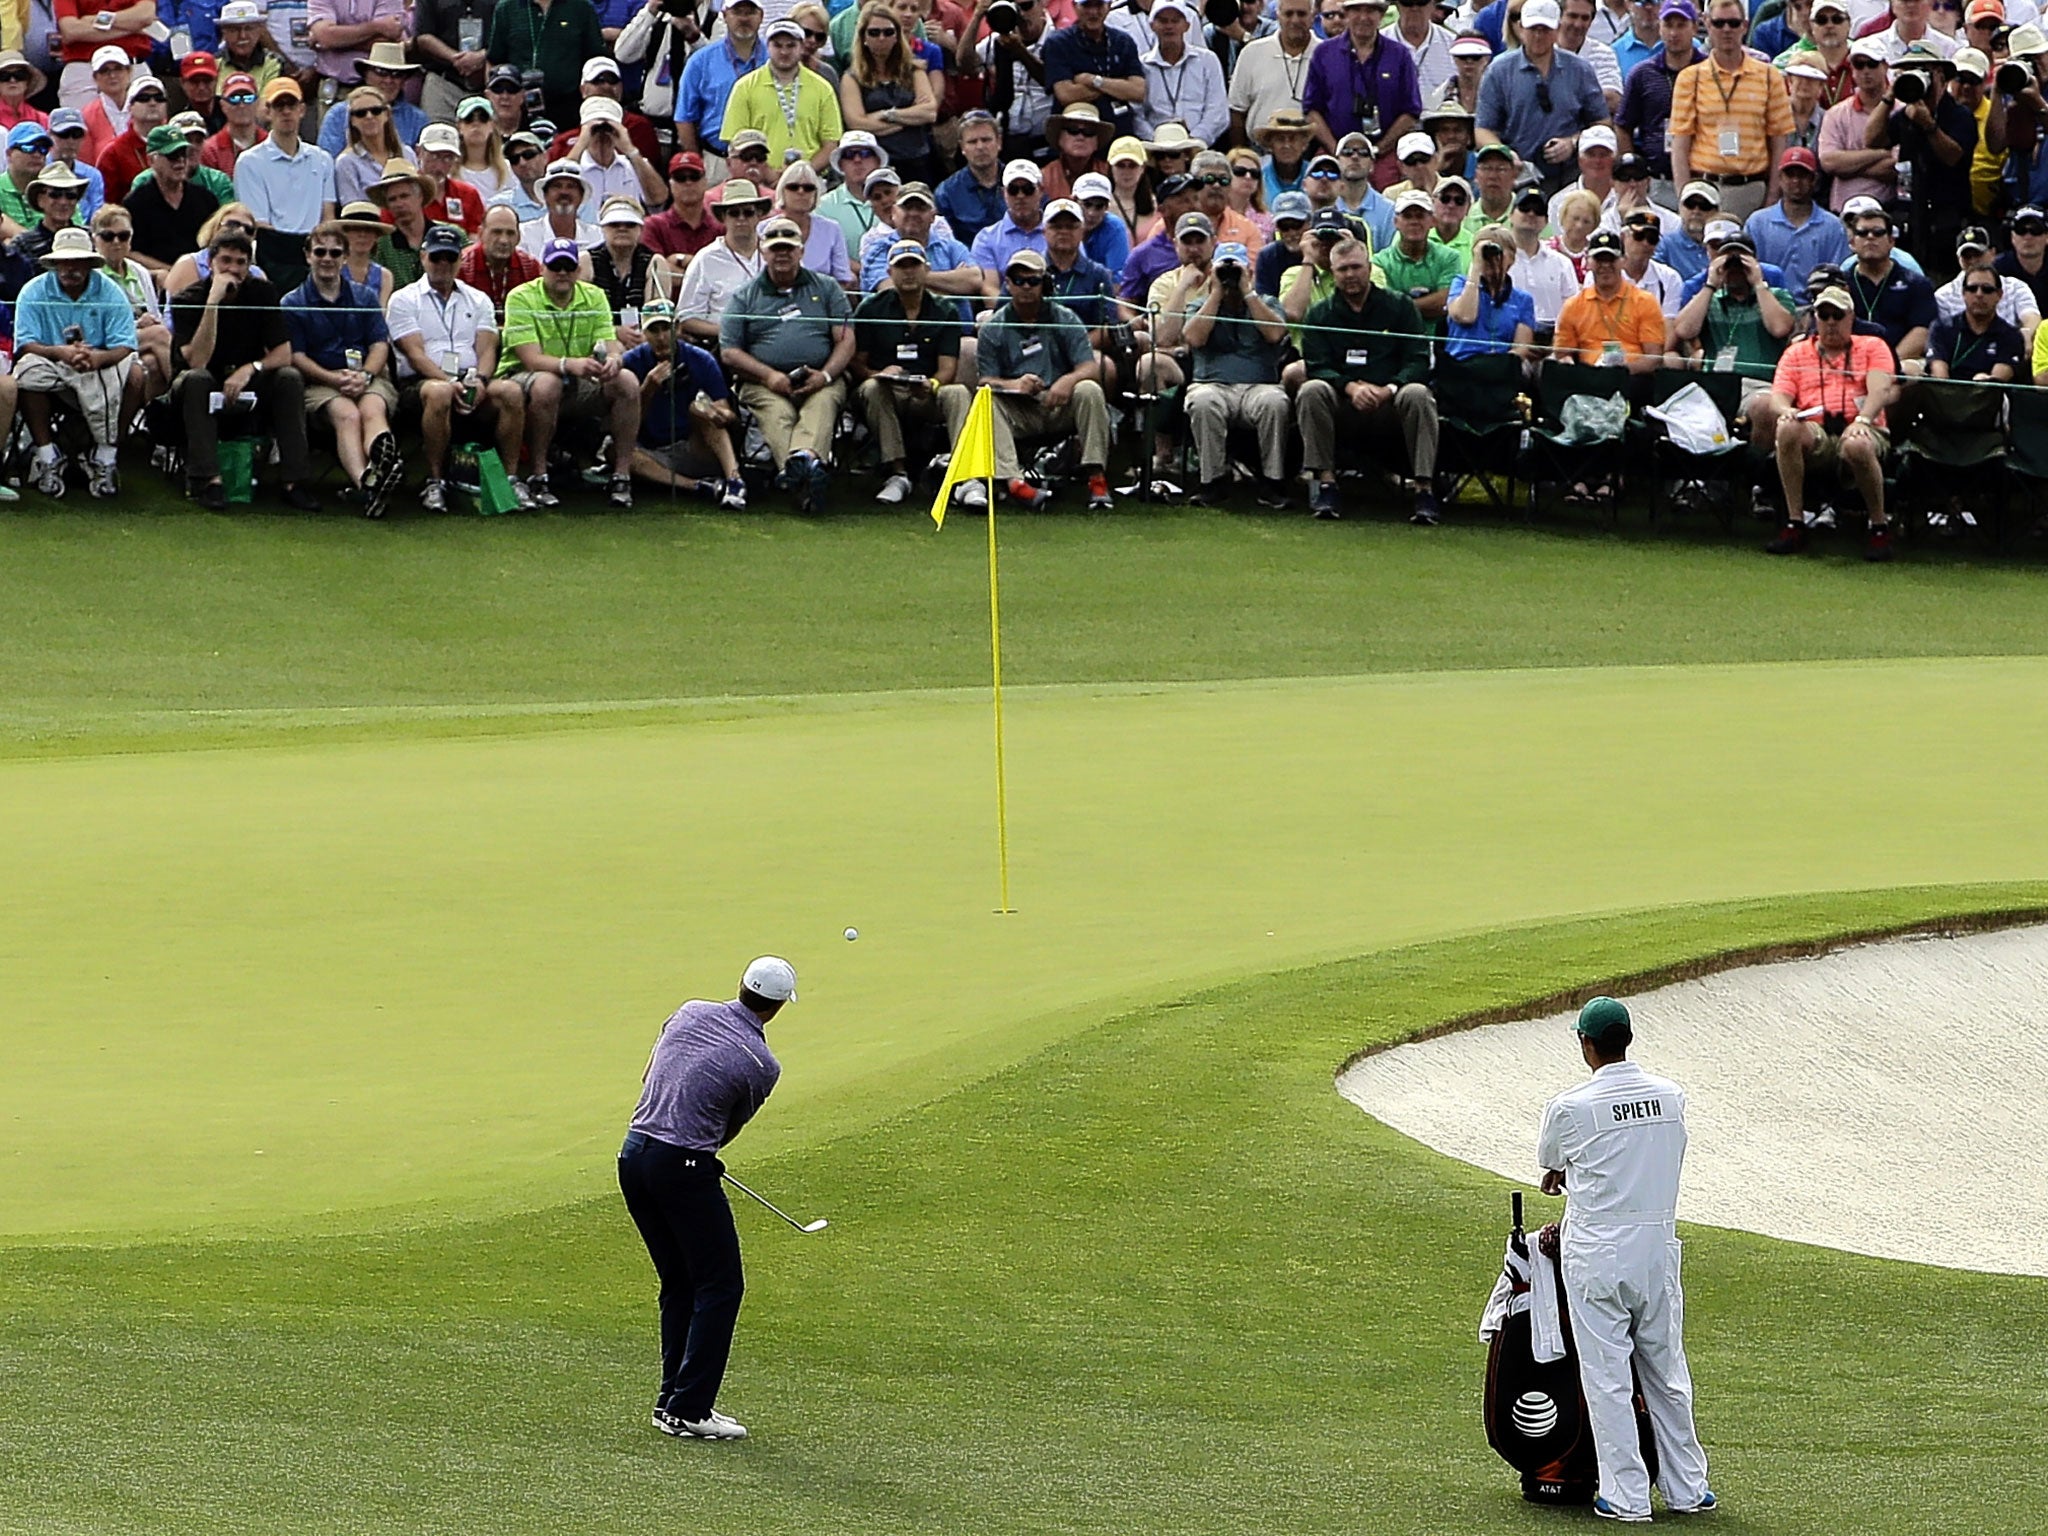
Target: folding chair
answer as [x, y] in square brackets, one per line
[1550, 456]
[1951, 444]
[1480, 409]
[1673, 467]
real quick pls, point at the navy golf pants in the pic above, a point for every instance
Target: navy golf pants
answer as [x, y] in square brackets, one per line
[679, 1205]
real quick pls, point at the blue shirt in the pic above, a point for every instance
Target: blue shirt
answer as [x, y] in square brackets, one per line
[994, 246]
[1494, 328]
[665, 414]
[405, 117]
[1682, 254]
[1275, 183]
[1108, 242]
[1377, 210]
[1087, 288]
[1629, 51]
[1509, 104]
[970, 207]
[1489, 22]
[942, 254]
[710, 1072]
[1899, 302]
[1067, 53]
[285, 193]
[44, 312]
[708, 78]
[326, 330]
[1798, 250]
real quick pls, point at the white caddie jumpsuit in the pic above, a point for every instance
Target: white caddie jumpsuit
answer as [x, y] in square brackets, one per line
[1620, 1137]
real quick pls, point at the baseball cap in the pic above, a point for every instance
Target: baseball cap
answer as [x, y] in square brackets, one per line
[1027, 259]
[1022, 170]
[1540, 13]
[469, 106]
[657, 312]
[1919, 55]
[1973, 237]
[746, 138]
[1290, 206]
[1413, 144]
[1971, 61]
[784, 28]
[1801, 156]
[685, 160]
[1868, 48]
[1599, 136]
[1631, 167]
[440, 136]
[1093, 184]
[1856, 207]
[2038, 217]
[1599, 1016]
[1741, 243]
[67, 120]
[163, 140]
[780, 232]
[1839, 7]
[1834, 298]
[1057, 208]
[189, 123]
[1806, 72]
[1604, 242]
[1683, 8]
[1500, 151]
[601, 109]
[1332, 221]
[1722, 229]
[198, 62]
[1325, 162]
[1532, 196]
[771, 977]
[25, 135]
[1231, 253]
[560, 249]
[908, 250]
[143, 81]
[883, 176]
[1414, 197]
[282, 88]
[442, 238]
[1706, 191]
[1194, 221]
[1128, 150]
[921, 192]
[1471, 45]
[524, 139]
[504, 75]
[1975, 9]
[110, 54]
[621, 210]
[597, 67]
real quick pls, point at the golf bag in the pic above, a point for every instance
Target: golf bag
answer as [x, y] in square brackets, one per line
[1534, 1408]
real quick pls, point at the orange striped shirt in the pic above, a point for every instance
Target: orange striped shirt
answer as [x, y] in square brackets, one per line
[1752, 102]
[1588, 322]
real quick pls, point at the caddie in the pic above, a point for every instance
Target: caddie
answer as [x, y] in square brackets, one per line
[1614, 1146]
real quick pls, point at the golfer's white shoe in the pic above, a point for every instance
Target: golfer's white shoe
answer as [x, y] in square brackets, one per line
[714, 1426]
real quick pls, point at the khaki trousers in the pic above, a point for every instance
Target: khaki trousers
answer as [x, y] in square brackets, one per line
[885, 406]
[1213, 409]
[1086, 412]
[1321, 410]
[796, 426]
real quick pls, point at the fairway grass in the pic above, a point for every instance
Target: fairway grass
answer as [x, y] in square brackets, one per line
[1158, 1277]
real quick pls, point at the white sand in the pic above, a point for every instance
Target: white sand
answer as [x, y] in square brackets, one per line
[1887, 1099]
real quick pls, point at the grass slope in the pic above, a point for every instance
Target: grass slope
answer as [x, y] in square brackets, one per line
[311, 980]
[120, 624]
[1157, 1278]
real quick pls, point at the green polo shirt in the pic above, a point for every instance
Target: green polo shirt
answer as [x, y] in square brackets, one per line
[1741, 326]
[1438, 264]
[785, 328]
[219, 183]
[572, 330]
[401, 258]
[555, 42]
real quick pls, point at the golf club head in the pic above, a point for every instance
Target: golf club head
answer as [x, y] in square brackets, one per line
[817, 1226]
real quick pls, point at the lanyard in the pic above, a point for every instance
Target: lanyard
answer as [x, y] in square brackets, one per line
[786, 101]
[454, 346]
[1848, 397]
[1172, 92]
[1728, 95]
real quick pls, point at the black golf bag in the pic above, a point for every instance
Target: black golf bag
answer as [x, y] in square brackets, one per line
[1535, 1410]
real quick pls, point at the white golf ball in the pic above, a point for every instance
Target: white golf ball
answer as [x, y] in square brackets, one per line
[852, 934]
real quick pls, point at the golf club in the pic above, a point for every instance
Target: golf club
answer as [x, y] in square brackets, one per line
[817, 1226]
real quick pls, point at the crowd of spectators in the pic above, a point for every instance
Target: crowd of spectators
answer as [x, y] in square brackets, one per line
[659, 241]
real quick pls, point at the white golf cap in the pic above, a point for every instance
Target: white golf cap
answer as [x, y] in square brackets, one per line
[1971, 61]
[1022, 170]
[440, 136]
[111, 53]
[1705, 191]
[597, 67]
[1857, 207]
[1540, 13]
[1414, 144]
[600, 109]
[771, 977]
[1722, 229]
[1092, 184]
[1599, 136]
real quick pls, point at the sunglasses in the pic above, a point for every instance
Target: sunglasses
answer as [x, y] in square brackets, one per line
[1649, 232]
[858, 152]
[151, 96]
[686, 177]
[1727, 23]
[875, 32]
[1027, 279]
[367, 111]
[35, 147]
[1325, 176]
[1452, 197]
[1829, 312]
[750, 156]
[521, 156]
[1021, 188]
[241, 99]
[329, 253]
[14, 77]
[1246, 171]
[817, 37]
[1869, 234]
[241, 227]
[116, 236]
[67, 194]
[514, 89]
[562, 266]
[1981, 288]
[2030, 229]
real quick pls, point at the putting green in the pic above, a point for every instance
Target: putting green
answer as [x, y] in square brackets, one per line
[345, 982]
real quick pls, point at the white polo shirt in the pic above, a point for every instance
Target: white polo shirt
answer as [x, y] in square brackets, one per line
[1620, 1137]
[443, 328]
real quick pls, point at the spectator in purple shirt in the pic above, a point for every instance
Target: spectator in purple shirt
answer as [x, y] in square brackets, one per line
[710, 1071]
[1364, 83]
[1158, 254]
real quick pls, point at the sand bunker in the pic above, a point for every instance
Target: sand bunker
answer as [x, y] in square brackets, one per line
[1886, 1099]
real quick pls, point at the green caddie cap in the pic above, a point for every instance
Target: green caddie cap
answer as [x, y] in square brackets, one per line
[166, 140]
[1599, 1016]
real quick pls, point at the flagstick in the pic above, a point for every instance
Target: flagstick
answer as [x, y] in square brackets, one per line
[995, 636]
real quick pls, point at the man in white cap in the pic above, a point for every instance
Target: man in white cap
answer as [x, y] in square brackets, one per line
[454, 201]
[563, 189]
[1270, 70]
[1021, 228]
[601, 77]
[1853, 169]
[74, 335]
[906, 352]
[1596, 174]
[610, 163]
[1538, 98]
[1183, 83]
[708, 1075]
[857, 158]
[792, 105]
[1614, 1146]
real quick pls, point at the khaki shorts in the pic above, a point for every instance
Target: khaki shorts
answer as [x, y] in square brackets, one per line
[580, 397]
[318, 396]
[1826, 457]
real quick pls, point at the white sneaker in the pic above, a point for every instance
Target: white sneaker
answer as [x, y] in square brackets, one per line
[105, 479]
[973, 494]
[716, 1427]
[894, 489]
[49, 475]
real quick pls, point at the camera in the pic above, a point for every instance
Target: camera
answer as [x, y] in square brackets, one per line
[678, 9]
[1222, 13]
[1004, 18]
[2012, 78]
[1910, 87]
[1488, 248]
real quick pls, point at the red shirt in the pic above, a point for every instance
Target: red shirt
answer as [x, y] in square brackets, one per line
[666, 234]
[121, 162]
[459, 203]
[14, 118]
[474, 270]
[638, 129]
[219, 150]
[137, 44]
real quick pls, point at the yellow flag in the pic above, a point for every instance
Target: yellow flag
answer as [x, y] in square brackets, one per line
[974, 456]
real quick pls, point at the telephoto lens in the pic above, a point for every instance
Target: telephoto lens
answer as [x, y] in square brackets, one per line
[1004, 17]
[2012, 78]
[1910, 87]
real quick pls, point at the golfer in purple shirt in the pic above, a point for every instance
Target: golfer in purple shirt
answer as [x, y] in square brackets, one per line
[710, 1071]
[1363, 82]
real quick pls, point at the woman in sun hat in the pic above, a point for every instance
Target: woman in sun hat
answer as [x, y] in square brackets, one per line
[362, 226]
[619, 266]
[19, 81]
[1130, 180]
